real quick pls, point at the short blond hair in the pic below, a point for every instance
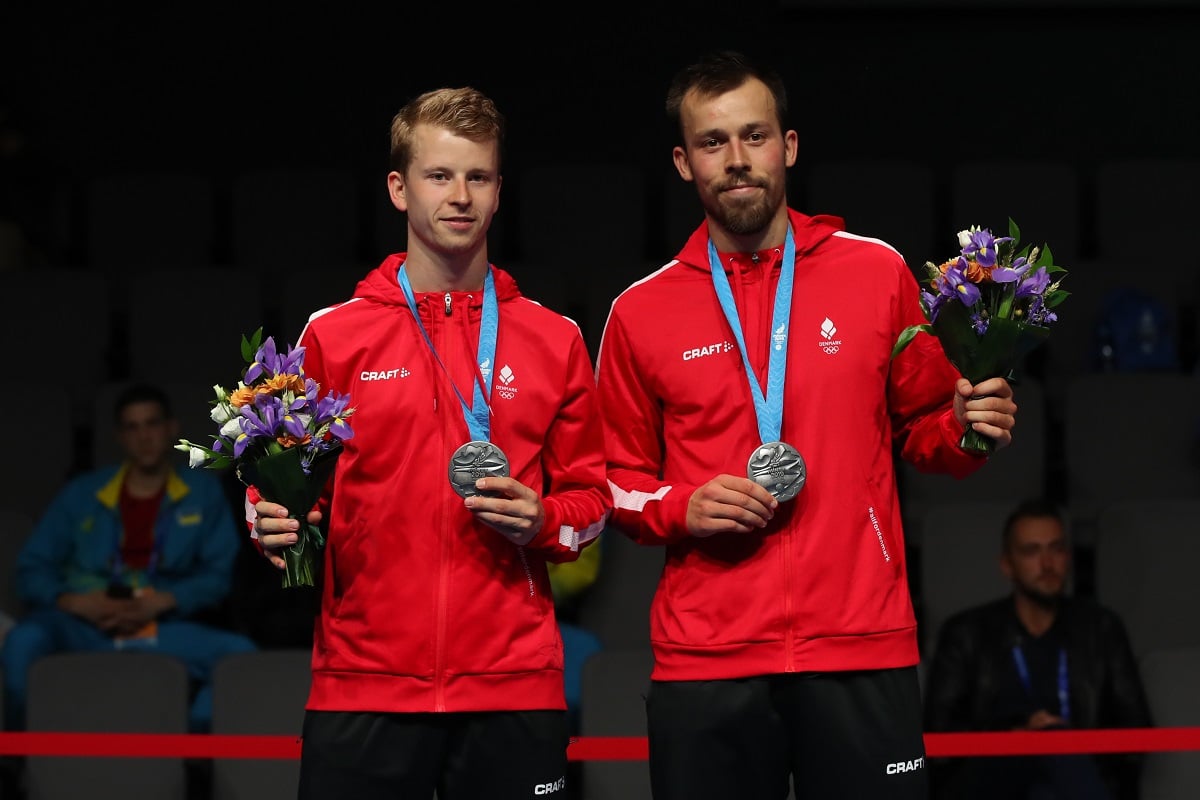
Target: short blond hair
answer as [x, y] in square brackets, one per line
[465, 111]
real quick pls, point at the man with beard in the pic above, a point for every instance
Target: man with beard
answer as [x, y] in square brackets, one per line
[751, 406]
[1035, 660]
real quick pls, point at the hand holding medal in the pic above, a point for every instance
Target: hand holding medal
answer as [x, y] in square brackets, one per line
[475, 460]
[509, 507]
[779, 468]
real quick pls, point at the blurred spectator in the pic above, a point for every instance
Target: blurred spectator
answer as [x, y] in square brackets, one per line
[131, 555]
[1035, 660]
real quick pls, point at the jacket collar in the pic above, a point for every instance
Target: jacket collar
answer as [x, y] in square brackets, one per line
[110, 493]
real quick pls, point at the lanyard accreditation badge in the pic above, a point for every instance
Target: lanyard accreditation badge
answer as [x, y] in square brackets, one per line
[775, 465]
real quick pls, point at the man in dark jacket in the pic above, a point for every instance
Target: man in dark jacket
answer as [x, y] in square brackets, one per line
[1035, 660]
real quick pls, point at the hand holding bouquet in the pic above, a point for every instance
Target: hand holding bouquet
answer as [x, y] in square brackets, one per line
[989, 307]
[281, 437]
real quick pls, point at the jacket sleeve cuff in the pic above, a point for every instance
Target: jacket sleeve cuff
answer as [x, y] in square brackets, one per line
[961, 462]
[252, 497]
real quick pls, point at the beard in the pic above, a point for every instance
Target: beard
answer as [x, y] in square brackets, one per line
[1048, 600]
[742, 216]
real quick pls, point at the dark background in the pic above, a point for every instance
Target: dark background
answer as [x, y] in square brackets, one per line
[209, 90]
[206, 96]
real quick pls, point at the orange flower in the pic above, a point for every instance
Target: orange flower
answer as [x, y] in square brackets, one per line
[292, 441]
[278, 384]
[243, 396]
[977, 273]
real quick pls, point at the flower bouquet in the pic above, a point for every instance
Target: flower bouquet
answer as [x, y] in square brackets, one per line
[282, 438]
[989, 307]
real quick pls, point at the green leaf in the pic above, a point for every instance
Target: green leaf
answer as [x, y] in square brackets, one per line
[1052, 300]
[1013, 230]
[995, 354]
[250, 346]
[906, 337]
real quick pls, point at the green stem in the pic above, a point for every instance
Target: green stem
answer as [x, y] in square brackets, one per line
[302, 559]
[975, 442]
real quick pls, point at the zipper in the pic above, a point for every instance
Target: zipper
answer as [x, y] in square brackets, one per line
[445, 546]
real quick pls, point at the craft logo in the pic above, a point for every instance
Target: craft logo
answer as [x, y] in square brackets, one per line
[707, 350]
[898, 767]
[383, 374]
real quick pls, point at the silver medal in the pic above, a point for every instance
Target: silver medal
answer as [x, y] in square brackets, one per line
[779, 468]
[475, 460]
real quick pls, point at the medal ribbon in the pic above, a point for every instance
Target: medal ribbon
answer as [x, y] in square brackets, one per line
[477, 414]
[117, 562]
[769, 408]
[1064, 695]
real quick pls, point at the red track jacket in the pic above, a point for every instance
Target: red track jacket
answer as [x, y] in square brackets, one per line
[823, 587]
[423, 608]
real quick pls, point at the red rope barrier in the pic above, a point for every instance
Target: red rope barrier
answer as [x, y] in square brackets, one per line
[588, 748]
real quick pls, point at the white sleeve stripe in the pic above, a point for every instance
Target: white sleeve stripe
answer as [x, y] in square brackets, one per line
[251, 518]
[571, 538]
[635, 500]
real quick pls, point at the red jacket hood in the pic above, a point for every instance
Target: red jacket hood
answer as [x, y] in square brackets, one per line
[807, 231]
[380, 284]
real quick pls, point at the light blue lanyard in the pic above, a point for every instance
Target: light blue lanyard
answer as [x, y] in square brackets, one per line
[1064, 696]
[769, 408]
[476, 414]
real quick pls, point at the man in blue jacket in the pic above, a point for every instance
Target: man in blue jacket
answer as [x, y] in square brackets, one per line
[128, 556]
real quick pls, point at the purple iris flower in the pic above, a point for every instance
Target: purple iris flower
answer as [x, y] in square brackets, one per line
[957, 285]
[263, 418]
[330, 406]
[979, 324]
[982, 247]
[265, 360]
[1019, 267]
[1039, 314]
[340, 429]
[330, 410]
[295, 426]
[240, 444]
[1035, 284]
[933, 303]
[292, 361]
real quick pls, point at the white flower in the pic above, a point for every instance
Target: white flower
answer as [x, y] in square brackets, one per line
[197, 455]
[196, 458]
[221, 413]
[231, 427]
[964, 237]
